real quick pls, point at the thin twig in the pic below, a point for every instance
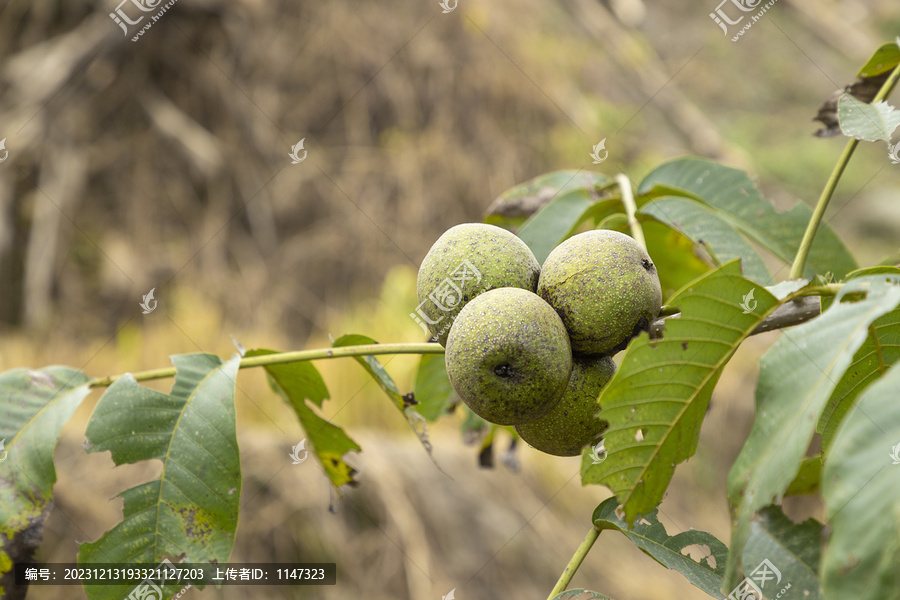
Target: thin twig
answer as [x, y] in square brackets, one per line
[789, 314]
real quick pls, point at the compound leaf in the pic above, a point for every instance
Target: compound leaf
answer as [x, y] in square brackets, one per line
[797, 376]
[192, 509]
[656, 401]
[650, 536]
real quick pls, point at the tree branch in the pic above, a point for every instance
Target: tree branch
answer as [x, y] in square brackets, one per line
[792, 313]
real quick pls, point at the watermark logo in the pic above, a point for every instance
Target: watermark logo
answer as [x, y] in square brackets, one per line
[295, 452]
[752, 586]
[447, 295]
[745, 304]
[6, 152]
[450, 595]
[596, 152]
[448, 6]
[123, 20]
[895, 454]
[296, 159]
[3, 451]
[597, 453]
[145, 304]
[894, 152]
[149, 590]
[723, 20]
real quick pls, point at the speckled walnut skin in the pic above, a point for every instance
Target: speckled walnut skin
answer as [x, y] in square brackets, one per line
[573, 423]
[604, 287]
[502, 259]
[508, 356]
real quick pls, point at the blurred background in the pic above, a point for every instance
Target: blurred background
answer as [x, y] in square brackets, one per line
[162, 163]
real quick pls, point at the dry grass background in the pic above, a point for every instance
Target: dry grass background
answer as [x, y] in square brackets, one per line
[163, 163]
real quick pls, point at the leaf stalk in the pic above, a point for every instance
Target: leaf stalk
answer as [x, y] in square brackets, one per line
[575, 562]
[294, 356]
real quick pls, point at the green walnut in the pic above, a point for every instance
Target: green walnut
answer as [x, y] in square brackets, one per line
[464, 262]
[604, 287]
[573, 423]
[508, 356]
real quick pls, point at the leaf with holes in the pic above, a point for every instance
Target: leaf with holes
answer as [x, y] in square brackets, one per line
[860, 485]
[880, 350]
[797, 376]
[656, 401]
[650, 536]
[34, 406]
[732, 195]
[298, 383]
[192, 509]
[868, 122]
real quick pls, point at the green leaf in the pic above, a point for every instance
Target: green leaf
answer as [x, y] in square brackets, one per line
[650, 536]
[656, 401]
[34, 406]
[791, 548]
[860, 485]
[797, 376]
[522, 201]
[193, 507]
[880, 350]
[298, 383]
[885, 59]
[473, 427]
[705, 228]
[674, 256]
[807, 478]
[733, 196]
[580, 594]
[869, 122]
[375, 369]
[433, 391]
[553, 223]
